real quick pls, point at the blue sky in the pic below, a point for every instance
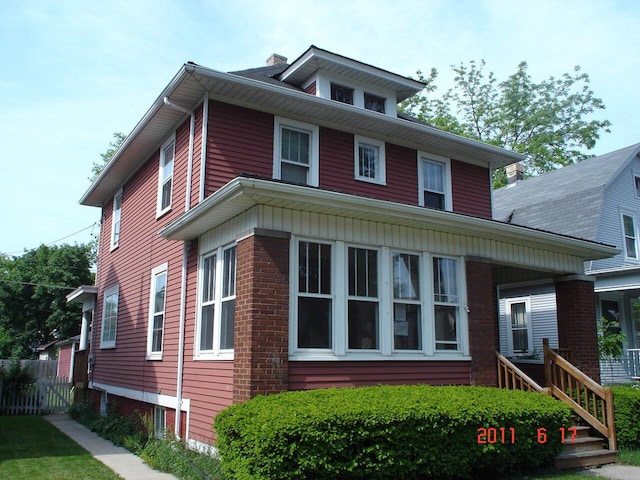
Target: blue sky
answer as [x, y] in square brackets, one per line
[73, 72]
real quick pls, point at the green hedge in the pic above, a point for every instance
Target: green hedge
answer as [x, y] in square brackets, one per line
[626, 401]
[388, 432]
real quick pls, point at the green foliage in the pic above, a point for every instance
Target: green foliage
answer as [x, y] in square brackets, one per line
[172, 456]
[387, 432]
[626, 401]
[33, 304]
[610, 339]
[15, 379]
[548, 122]
[97, 167]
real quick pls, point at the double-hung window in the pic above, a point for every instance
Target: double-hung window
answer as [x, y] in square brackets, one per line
[434, 182]
[315, 300]
[446, 303]
[363, 300]
[518, 312]
[165, 182]
[630, 234]
[117, 215]
[217, 302]
[157, 305]
[109, 317]
[296, 152]
[407, 322]
[369, 158]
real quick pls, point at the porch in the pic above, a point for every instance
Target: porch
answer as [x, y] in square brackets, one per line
[625, 370]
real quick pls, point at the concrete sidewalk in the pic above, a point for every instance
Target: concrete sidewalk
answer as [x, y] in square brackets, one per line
[614, 472]
[118, 459]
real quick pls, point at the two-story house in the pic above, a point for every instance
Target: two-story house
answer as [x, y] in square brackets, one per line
[597, 199]
[285, 228]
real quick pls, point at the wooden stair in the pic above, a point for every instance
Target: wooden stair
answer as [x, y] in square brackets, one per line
[584, 451]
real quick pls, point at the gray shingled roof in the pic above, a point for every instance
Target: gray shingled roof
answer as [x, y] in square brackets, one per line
[567, 200]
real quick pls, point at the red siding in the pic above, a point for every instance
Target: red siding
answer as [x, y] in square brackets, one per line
[337, 169]
[64, 361]
[471, 188]
[239, 141]
[311, 88]
[310, 375]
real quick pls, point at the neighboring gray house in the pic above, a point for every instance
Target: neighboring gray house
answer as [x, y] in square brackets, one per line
[597, 199]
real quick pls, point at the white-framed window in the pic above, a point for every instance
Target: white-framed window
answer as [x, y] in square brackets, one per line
[446, 303]
[217, 303]
[369, 160]
[434, 182]
[314, 287]
[407, 319]
[636, 184]
[363, 299]
[374, 102]
[630, 235]
[295, 155]
[109, 317]
[341, 93]
[157, 305]
[518, 312]
[371, 302]
[116, 217]
[159, 422]
[165, 175]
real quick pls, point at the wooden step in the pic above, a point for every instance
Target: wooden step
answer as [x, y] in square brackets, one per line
[585, 459]
[582, 431]
[583, 444]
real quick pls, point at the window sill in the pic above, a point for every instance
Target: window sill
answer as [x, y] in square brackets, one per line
[371, 180]
[204, 357]
[161, 214]
[154, 356]
[107, 346]
[377, 357]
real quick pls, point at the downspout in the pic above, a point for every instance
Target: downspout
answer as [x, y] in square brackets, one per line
[203, 150]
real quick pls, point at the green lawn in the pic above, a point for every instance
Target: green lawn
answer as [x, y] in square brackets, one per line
[31, 448]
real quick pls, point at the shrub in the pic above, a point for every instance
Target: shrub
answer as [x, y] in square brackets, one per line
[388, 432]
[626, 401]
[172, 456]
[15, 379]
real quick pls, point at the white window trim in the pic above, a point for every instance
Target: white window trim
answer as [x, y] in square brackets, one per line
[507, 311]
[160, 269]
[216, 353]
[313, 178]
[636, 175]
[115, 242]
[448, 193]
[115, 290]
[629, 213]
[159, 210]
[339, 327]
[381, 171]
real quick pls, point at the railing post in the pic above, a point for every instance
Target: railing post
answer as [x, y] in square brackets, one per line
[548, 381]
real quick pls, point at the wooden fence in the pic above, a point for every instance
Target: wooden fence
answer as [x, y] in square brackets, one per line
[52, 395]
[37, 368]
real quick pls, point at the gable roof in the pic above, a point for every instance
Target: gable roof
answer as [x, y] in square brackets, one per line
[567, 200]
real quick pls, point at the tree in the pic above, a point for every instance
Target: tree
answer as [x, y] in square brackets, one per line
[96, 168]
[33, 289]
[548, 122]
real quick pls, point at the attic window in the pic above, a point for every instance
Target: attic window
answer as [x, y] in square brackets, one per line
[636, 183]
[373, 102]
[340, 93]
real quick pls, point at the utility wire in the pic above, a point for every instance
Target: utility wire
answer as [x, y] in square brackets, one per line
[54, 242]
[62, 287]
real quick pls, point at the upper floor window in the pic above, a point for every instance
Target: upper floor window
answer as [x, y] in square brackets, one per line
[295, 152]
[434, 182]
[518, 312]
[341, 93]
[636, 184]
[217, 303]
[109, 317]
[374, 102]
[369, 160]
[165, 184]
[117, 215]
[157, 305]
[630, 236]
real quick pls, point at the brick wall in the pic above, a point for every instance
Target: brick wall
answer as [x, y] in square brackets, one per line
[576, 305]
[261, 342]
[483, 323]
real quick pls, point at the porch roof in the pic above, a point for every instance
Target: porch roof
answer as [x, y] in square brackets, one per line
[242, 193]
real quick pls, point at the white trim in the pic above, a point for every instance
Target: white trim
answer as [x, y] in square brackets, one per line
[313, 174]
[636, 239]
[161, 181]
[115, 290]
[635, 175]
[508, 302]
[448, 191]
[114, 241]
[155, 273]
[381, 172]
[142, 396]
[203, 145]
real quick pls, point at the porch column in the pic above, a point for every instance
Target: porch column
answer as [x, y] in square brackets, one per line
[261, 344]
[576, 307]
[483, 322]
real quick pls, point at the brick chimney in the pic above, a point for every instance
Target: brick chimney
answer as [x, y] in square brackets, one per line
[275, 59]
[515, 173]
